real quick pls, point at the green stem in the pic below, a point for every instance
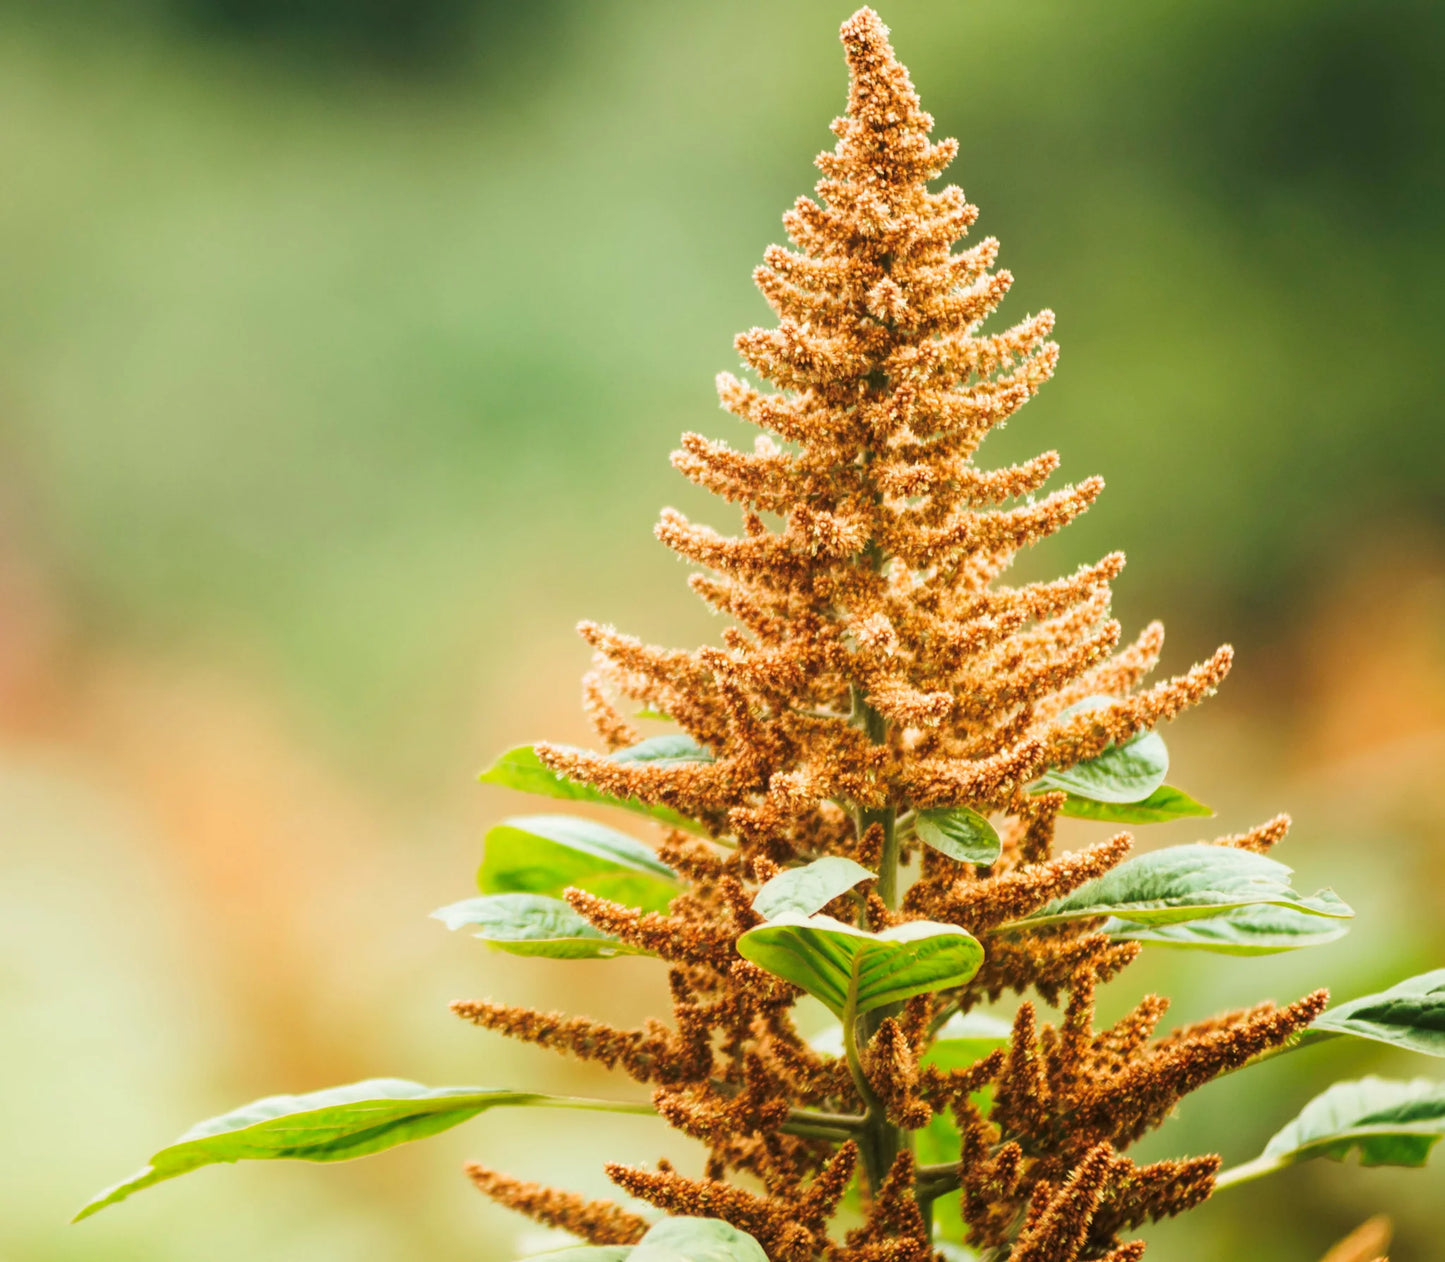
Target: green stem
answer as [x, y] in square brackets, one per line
[595, 1106]
[935, 1181]
[845, 1122]
[860, 1080]
[821, 1125]
[881, 1140]
[1255, 1169]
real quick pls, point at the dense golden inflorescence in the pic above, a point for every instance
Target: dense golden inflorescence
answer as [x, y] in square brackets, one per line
[878, 664]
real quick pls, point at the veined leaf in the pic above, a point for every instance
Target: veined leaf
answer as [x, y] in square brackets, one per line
[965, 1038]
[696, 1240]
[1258, 929]
[1391, 1123]
[1164, 804]
[532, 924]
[1182, 883]
[961, 833]
[670, 750]
[1410, 1015]
[1121, 773]
[544, 854]
[520, 768]
[802, 891]
[844, 966]
[332, 1125]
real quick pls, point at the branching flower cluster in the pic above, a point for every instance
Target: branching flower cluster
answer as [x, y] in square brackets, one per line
[880, 668]
[859, 796]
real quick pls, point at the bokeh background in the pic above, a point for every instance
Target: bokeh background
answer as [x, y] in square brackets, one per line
[342, 343]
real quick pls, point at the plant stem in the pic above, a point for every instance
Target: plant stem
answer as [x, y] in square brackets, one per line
[881, 1140]
[1243, 1174]
[878, 1147]
[645, 1107]
[935, 1181]
[846, 1122]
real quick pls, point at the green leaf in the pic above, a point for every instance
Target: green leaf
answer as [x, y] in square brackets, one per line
[1182, 883]
[533, 924]
[520, 768]
[965, 1038]
[670, 750]
[838, 963]
[960, 833]
[1130, 772]
[652, 712]
[544, 854]
[332, 1125]
[1391, 1123]
[802, 891]
[1410, 1015]
[1258, 929]
[1164, 804]
[697, 1240]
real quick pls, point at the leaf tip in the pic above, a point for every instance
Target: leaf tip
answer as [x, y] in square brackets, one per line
[117, 1192]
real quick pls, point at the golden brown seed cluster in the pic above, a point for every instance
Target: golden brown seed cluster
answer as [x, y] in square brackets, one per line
[877, 662]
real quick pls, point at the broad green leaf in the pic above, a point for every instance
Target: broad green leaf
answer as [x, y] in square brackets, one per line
[965, 1038]
[532, 924]
[840, 965]
[652, 712]
[952, 1252]
[544, 854]
[960, 833]
[1164, 804]
[332, 1125]
[1182, 883]
[696, 1240]
[1130, 772]
[1391, 1123]
[1410, 1015]
[1125, 773]
[670, 750]
[520, 768]
[802, 891]
[1259, 929]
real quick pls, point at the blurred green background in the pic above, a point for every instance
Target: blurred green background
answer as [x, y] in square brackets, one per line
[341, 348]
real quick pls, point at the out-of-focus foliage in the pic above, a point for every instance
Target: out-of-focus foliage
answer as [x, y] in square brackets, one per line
[326, 331]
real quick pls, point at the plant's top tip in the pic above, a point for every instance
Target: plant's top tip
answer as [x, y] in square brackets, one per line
[865, 26]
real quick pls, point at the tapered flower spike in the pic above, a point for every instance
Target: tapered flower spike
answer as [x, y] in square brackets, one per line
[597, 1222]
[876, 666]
